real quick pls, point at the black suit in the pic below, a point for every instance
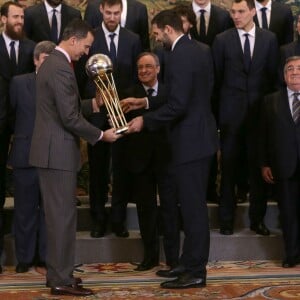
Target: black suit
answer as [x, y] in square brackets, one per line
[29, 221]
[36, 23]
[219, 21]
[280, 144]
[240, 96]
[25, 64]
[136, 19]
[124, 73]
[281, 22]
[193, 140]
[144, 158]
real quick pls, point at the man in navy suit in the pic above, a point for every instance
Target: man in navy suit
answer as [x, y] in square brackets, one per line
[280, 144]
[245, 67]
[134, 17]
[276, 17]
[43, 23]
[29, 221]
[126, 45]
[193, 140]
[16, 57]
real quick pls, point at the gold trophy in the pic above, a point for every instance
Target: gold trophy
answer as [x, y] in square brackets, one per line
[99, 67]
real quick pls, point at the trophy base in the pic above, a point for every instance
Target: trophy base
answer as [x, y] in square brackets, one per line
[121, 130]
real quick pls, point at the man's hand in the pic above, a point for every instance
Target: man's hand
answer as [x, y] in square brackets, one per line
[267, 175]
[110, 135]
[132, 103]
[136, 125]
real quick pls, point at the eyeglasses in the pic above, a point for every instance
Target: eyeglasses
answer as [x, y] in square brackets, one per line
[292, 68]
[140, 67]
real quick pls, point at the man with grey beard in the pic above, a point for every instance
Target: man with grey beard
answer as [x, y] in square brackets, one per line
[16, 57]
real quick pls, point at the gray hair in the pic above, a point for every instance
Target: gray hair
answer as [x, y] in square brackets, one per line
[289, 59]
[43, 47]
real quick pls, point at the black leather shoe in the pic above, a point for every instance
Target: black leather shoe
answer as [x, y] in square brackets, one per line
[260, 228]
[173, 272]
[290, 262]
[74, 290]
[1, 269]
[184, 281]
[120, 230]
[22, 267]
[77, 280]
[98, 229]
[226, 227]
[147, 264]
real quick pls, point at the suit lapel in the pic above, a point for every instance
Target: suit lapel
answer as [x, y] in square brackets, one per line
[211, 24]
[130, 14]
[5, 60]
[64, 19]
[284, 107]
[43, 17]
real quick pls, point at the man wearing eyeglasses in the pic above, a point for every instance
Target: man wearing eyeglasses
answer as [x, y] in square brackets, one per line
[280, 144]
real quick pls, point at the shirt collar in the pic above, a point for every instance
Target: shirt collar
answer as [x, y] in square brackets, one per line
[251, 32]
[49, 8]
[291, 93]
[107, 32]
[7, 40]
[258, 5]
[64, 52]
[175, 42]
[155, 87]
[196, 7]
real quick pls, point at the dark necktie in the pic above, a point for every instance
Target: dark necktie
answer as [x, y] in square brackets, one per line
[247, 53]
[54, 27]
[202, 30]
[13, 58]
[150, 92]
[264, 18]
[112, 48]
[296, 107]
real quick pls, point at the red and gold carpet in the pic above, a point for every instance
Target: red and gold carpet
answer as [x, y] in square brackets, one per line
[226, 280]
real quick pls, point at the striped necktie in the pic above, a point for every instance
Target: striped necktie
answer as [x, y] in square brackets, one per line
[296, 107]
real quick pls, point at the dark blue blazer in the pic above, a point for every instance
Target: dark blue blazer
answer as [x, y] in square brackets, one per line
[189, 83]
[279, 136]
[219, 21]
[281, 22]
[136, 20]
[36, 23]
[239, 93]
[22, 100]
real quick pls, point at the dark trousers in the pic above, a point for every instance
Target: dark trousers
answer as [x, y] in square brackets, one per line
[232, 144]
[99, 178]
[29, 219]
[288, 193]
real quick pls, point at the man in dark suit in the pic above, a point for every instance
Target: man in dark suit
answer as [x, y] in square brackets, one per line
[47, 20]
[280, 144]
[55, 152]
[245, 67]
[193, 140]
[145, 156]
[276, 17]
[16, 57]
[123, 47]
[134, 17]
[216, 20]
[29, 221]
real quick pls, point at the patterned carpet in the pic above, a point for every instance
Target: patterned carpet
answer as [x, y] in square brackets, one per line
[226, 280]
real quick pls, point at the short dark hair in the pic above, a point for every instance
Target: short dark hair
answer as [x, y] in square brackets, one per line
[43, 47]
[289, 59]
[5, 7]
[156, 59]
[168, 17]
[250, 3]
[185, 10]
[77, 28]
[111, 2]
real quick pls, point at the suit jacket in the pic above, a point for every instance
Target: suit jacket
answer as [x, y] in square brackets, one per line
[146, 149]
[281, 22]
[219, 21]
[193, 133]
[240, 93]
[36, 22]
[136, 19]
[22, 100]
[280, 137]
[59, 122]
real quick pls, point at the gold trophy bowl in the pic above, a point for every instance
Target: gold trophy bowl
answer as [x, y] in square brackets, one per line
[99, 68]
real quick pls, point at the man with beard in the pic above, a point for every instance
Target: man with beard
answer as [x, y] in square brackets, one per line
[16, 57]
[47, 21]
[123, 47]
[193, 141]
[276, 17]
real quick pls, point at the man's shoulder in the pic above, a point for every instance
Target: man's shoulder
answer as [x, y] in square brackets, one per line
[18, 79]
[34, 9]
[71, 10]
[129, 34]
[280, 7]
[220, 11]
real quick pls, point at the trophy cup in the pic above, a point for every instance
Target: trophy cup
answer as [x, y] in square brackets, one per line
[99, 68]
